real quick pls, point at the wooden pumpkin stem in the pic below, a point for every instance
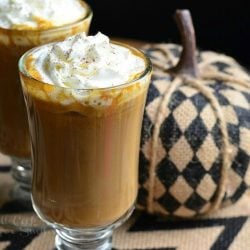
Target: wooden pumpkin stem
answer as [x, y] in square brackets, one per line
[187, 64]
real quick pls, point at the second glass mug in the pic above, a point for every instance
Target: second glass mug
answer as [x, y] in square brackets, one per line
[85, 150]
[14, 134]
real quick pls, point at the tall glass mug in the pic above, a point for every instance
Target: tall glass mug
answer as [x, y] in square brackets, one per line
[85, 147]
[14, 134]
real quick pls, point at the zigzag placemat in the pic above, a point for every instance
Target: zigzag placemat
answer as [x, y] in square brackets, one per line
[227, 229]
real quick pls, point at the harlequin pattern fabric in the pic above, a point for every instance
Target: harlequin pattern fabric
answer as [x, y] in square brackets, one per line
[188, 171]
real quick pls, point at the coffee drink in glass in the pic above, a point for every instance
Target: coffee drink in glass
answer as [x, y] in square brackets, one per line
[25, 24]
[85, 99]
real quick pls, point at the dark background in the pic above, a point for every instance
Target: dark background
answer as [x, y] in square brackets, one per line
[222, 26]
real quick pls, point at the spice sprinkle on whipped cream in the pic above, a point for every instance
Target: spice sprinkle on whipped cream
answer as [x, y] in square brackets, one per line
[39, 14]
[84, 62]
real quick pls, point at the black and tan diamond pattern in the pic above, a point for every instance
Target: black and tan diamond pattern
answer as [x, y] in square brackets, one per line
[189, 148]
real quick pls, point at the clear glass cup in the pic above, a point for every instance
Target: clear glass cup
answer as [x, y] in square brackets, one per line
[14, 134]
[85, 149]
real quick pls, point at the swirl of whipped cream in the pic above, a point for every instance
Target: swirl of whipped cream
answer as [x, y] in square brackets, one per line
[86, 62]
[23, 14]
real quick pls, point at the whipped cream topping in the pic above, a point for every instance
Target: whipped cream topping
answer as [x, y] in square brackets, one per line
[24, 14]
[85, 62]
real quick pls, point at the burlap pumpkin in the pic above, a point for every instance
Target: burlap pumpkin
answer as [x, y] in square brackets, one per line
[195, 146]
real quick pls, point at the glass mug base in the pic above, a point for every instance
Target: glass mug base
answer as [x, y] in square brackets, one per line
[81, 240]
[99, 238]
[21, 173]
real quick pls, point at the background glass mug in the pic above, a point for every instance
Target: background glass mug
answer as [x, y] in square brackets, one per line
[85, 155]
[14, 134]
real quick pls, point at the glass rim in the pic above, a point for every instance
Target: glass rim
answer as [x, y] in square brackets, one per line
[142, 74]
[89, 14]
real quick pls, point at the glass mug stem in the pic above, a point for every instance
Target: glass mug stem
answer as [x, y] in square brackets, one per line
[99, 240]
[21, 173]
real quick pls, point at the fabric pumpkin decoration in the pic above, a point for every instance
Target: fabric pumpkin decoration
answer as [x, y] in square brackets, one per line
[195, 145]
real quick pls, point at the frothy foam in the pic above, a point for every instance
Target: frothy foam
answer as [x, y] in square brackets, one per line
[24, 14]
[85, 62]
